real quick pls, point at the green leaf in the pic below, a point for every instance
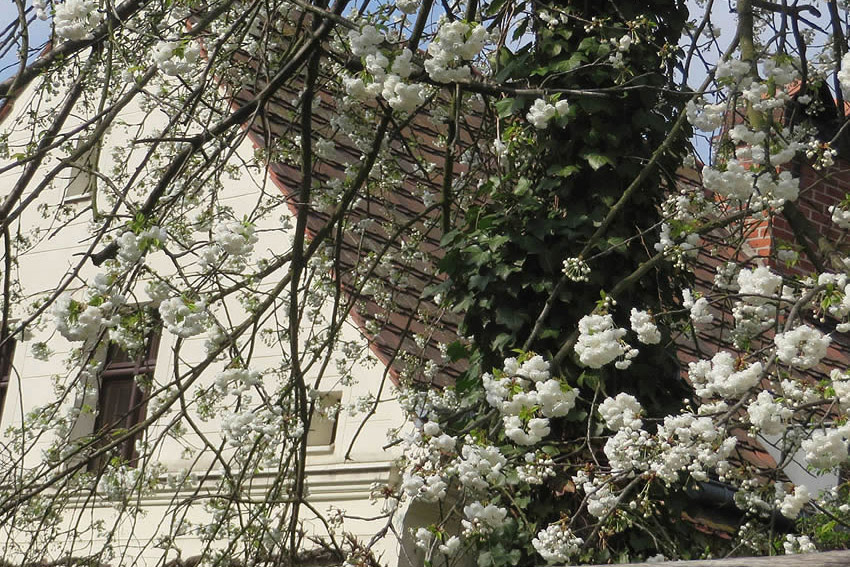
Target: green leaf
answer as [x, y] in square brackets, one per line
[457, 351]
[513, 319]
[616, 241]
[496, 242]
[590, 44]
[523, 186]
[501, 340]
[597, 161]
[477, 255]
[505, 107]
[591, 105]
[449, 237]
[480, 281]
[450, 262]
[565, 171]
[522, 502]
[567, 65]
[494, 7]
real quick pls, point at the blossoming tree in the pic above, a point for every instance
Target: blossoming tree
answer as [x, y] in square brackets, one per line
[605, 349]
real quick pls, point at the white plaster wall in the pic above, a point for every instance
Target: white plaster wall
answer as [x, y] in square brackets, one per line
[332, 480]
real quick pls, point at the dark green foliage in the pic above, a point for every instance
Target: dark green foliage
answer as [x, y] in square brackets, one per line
[506, 261]
[561, 183]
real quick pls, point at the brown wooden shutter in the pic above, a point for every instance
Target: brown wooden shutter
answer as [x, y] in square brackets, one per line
[7, 353]
[121, 403]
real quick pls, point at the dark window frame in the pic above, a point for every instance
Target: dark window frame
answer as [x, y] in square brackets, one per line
[314, 440]
[126, 399]
[7, 355]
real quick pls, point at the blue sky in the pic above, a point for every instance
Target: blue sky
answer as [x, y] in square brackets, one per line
[39, 31]
[38, 35]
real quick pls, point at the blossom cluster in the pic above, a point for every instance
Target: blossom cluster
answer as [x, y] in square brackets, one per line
[751, 174]
[700, 314]
[132, 246]
[385, 78]
[525, 398]
[176, 58]
[231, 247]
[88, 321]
[182, 317]
[684, 442]
[556, 544]
[510, 392]
[455, 44]
[600, 341]
[75, 20]
[541, 112]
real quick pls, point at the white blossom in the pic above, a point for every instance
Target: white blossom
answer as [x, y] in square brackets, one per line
[628, 450]
[643, 325]
[434, 489]
[541, 112]
[479, 467]
[826, 448]
[556, 543]
[236, 380]
[443, 443]
[802, 347]
[841, 386]
[599, 341]
[454, 43]
[792, 503]
[600, 499]
[431, 428]
[621, 412]
[767, 415]
[365, 41]
[402, 64]
[235, 238]
[720, 376]
[844, 75]
[760, 284]
[736, 181]
[78, 321]
[555, 398]
[535, 368]
[699, 309]
[705, 117]
[690, 443]
[483, 519]
[424, 537]
[537, 468]
[798, 544]
[182, 318]
[451, 547]
[75, 19]
[40, 7]
[840, 216]
[525, 433]
[176, 58]
[131, 247]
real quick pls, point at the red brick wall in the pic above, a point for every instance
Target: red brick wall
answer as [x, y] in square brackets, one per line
[819, 190]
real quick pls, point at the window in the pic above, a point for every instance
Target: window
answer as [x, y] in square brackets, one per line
[323, 423]
[121, 400]
[83, 180]
[7, 352]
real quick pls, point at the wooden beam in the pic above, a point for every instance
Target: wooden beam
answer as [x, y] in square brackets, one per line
[826, 559]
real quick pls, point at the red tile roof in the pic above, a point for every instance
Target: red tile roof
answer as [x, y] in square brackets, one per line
[389, 216]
